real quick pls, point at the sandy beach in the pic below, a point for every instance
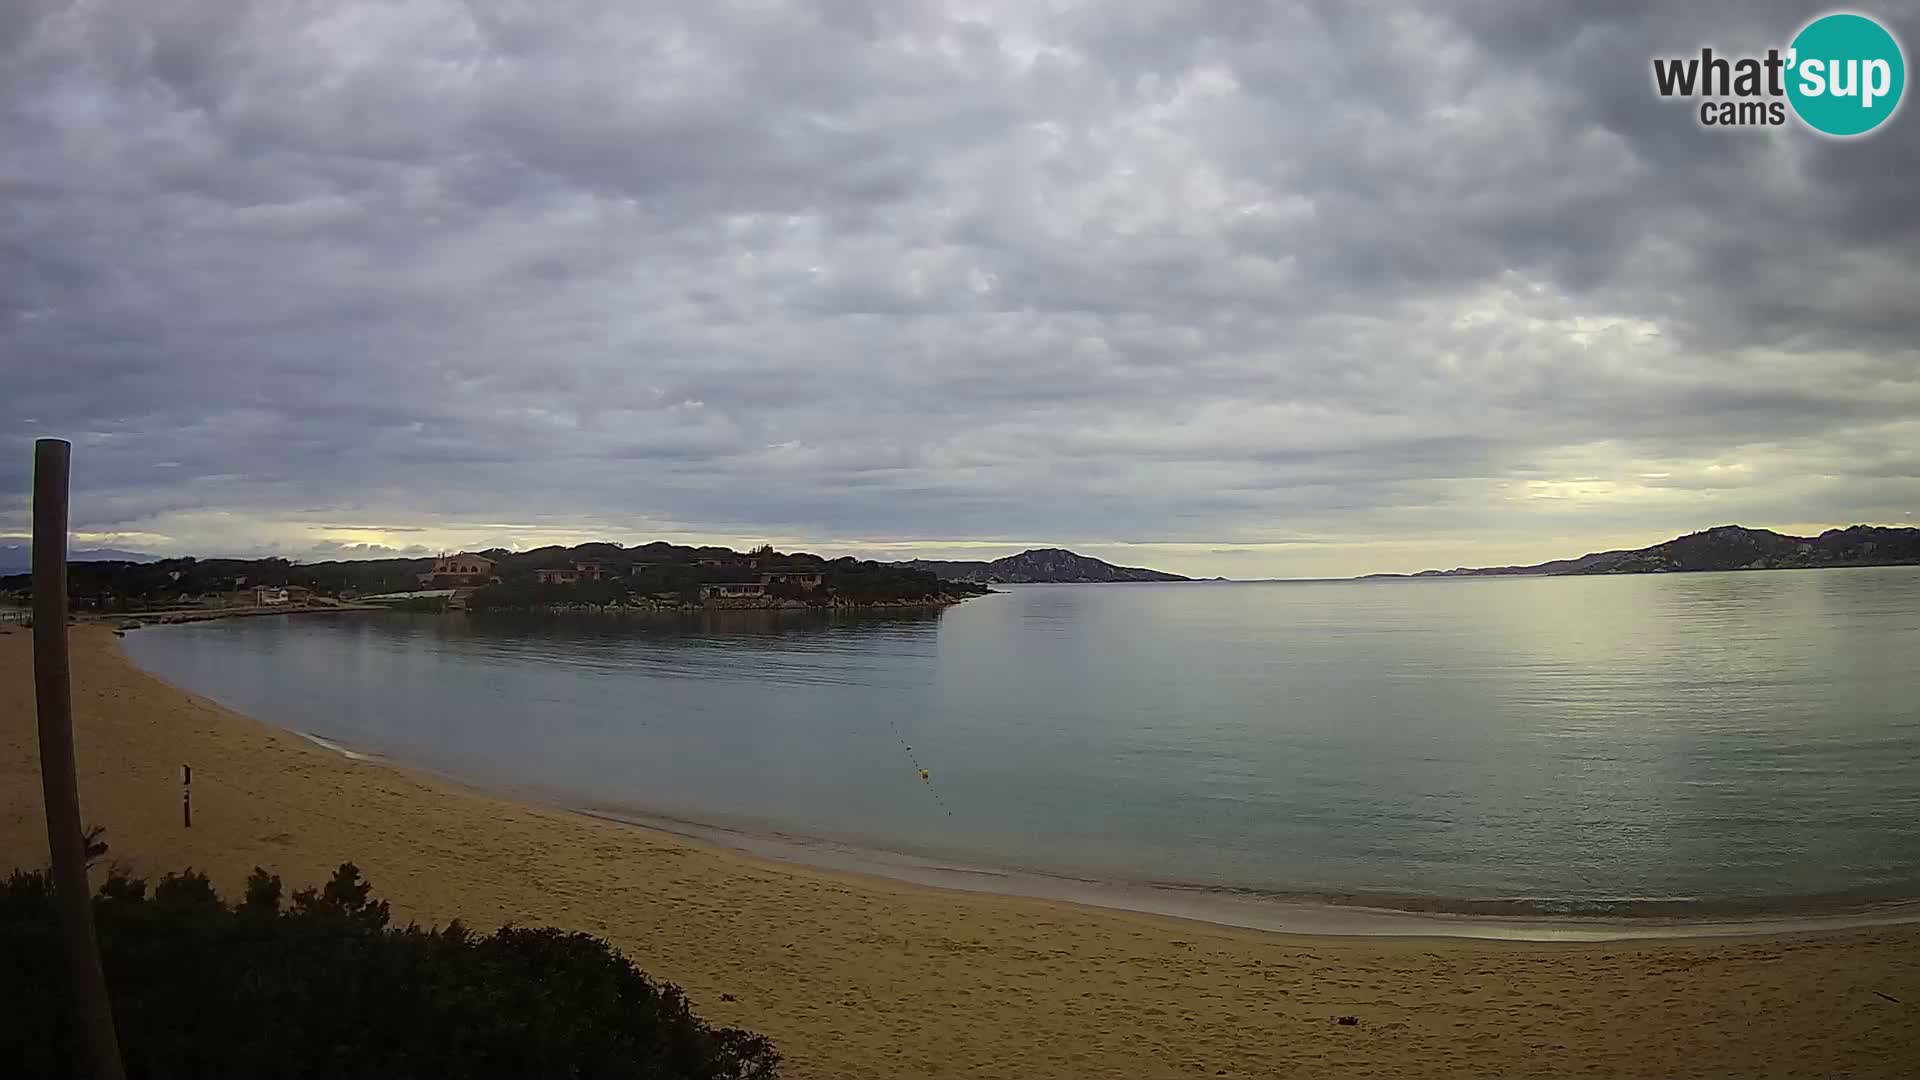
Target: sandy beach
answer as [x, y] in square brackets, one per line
[856, 975]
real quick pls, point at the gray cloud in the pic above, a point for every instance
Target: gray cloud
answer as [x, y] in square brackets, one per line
[845, 274]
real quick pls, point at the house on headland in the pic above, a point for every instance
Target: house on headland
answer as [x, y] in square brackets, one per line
[770, 583]
[466, 568]
[798, 579]
[275, 595]
[580, 571]
[732, 562]
[251, 596]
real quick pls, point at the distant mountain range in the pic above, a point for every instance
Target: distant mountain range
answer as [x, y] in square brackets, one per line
[18, 558]
[1039, 565]
[1725, 547]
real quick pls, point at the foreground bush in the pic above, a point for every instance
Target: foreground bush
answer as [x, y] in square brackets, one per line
[322, 987]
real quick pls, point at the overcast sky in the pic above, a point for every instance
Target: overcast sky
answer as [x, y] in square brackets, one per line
[1225, 288]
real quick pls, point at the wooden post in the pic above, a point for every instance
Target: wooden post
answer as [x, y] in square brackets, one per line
[53, 699]
[186, 795]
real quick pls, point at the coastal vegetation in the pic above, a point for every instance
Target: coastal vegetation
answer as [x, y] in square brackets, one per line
[594, 575]
[122, 585]
[764, 578]
[322, 986]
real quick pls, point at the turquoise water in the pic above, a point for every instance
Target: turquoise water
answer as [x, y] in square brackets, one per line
[1559, 744]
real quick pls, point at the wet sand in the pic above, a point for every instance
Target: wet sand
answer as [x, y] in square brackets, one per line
[1349, 914]
[855, 974]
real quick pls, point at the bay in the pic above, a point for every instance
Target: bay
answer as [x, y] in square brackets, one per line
[1535, 744]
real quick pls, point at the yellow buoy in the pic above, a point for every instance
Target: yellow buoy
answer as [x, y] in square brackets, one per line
[924, 775]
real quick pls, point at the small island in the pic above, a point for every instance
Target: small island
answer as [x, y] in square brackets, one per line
[1039, 566]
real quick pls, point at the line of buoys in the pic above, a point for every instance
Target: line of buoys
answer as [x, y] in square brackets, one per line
[926, 777]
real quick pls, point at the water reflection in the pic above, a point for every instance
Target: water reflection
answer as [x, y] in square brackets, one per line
[1681, 735]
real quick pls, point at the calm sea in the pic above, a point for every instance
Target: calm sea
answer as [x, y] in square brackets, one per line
[1567, 744]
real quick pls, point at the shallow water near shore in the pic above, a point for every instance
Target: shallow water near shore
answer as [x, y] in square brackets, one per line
[1664, 747]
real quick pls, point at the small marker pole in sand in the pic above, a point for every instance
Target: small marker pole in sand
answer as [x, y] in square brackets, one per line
[186, 795]
[53, 702]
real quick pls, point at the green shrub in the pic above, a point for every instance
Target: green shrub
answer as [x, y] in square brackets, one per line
[323, 987]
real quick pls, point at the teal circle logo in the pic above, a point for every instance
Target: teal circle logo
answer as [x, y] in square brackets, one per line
[1845, 74]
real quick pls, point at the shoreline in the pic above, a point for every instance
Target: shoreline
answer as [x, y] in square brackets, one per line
[138, 620]
[1358, 915]
[1276, 910]
[1264, 912]
[858, 975]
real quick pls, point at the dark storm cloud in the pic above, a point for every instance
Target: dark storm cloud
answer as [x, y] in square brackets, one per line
[1147, 272]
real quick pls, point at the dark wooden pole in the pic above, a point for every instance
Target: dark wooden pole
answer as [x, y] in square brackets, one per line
[53, 697]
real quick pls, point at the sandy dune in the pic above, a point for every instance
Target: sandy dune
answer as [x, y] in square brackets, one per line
[862, 976]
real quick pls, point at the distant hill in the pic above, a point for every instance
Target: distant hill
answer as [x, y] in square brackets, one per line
[1055, 565]
[1725, 547]
[18, 558]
